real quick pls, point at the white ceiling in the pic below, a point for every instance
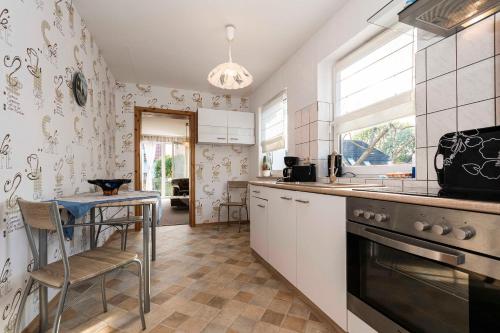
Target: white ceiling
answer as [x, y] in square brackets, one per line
[175, 43]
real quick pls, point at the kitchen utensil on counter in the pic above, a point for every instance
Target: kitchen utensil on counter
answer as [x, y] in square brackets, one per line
[109, 186]
[290, 161]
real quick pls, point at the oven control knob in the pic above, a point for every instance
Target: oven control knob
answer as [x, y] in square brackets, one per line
[441, 229]
[368, 215]
[358, 212]
[381, 217]
[421, 226]
[464, 233]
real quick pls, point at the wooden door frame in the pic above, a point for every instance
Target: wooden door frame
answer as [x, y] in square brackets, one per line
[191, 116]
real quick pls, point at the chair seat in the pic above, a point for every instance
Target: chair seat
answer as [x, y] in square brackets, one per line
[233, 204]
[83, 266]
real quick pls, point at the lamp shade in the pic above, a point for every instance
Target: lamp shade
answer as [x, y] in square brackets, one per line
[230, 75]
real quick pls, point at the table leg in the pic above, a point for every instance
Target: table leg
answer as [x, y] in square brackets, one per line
[92, 228]
[42, 291]
[154, 223]
[146, 264]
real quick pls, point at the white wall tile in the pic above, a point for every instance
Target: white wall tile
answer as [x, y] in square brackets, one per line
[297, 133]
[305, 134]
[497, 33]
[305, 116]
[476, 42]
[324, 111]
[396, 184]
[414, 185]
[476, 82]
[323, 130]
[476, 115]
[421, 129]
[313, 150]
[440, 123]
[425, 39]
[497, 111]
[420, 67]
[321, 167]
[313, 130]
[431, 152]
[442, 93]
[298, 118]
[421, 163]
[323, 149]
[497, 74]
[305, 150]
[421, 98]
[441, 57]
[298, 150]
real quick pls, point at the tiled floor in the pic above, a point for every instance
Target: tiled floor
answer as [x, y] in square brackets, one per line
[202, 281]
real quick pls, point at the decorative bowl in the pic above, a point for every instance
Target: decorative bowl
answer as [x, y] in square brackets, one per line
[109, 186]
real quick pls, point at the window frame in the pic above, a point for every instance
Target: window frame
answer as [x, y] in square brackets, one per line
[386, 110]
[274, 172]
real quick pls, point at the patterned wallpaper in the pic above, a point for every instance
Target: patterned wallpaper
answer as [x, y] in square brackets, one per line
[49, 146]
[215, 164]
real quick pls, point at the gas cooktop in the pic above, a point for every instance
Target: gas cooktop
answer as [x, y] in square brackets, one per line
[436, 193]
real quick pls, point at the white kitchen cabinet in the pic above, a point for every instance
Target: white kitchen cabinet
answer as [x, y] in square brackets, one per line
[321, 253]
[211, 117]
[240, 119]
[258, 226]
[282, 229]
[212, 134]
[243, 136]
[226, 127]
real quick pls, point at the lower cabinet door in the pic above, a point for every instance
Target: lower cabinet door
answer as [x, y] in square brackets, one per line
[282, 229]
[321, 253]
[258, 226]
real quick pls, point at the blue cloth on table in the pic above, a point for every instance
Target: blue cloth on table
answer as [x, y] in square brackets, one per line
[79, 209]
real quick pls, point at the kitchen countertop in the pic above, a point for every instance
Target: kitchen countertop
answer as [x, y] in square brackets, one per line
[344, 191]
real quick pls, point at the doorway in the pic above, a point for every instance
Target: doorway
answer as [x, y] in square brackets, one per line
[164, 160]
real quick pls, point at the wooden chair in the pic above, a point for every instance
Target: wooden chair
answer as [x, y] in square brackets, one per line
[241, 204]
[69, 271]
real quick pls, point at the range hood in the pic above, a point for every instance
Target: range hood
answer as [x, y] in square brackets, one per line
[439, 17]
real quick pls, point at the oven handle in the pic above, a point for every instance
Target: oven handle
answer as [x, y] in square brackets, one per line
[410, 245]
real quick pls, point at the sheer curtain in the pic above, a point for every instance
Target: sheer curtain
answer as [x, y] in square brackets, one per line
[149, 151]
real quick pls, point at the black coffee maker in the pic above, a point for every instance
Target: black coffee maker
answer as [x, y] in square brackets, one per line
[290, 161]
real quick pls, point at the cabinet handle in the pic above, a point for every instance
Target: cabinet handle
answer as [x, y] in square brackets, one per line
[302, 201]
[286, 198]
[261, 206]
[235, 139]
[256, 192]
[221, 138]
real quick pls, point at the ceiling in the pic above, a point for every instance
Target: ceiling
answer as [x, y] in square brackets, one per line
[175, 43]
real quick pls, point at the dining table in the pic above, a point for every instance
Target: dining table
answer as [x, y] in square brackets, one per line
[81, 204]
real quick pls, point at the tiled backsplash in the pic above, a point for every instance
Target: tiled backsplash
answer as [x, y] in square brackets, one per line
[456, 87]
[313, 139]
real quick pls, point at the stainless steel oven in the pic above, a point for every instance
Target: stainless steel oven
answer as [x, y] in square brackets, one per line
[423, 269]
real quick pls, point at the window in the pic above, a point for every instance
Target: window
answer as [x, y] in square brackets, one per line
[273, 124]
[374, 113]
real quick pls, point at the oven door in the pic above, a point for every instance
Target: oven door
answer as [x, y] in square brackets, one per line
[403, 284]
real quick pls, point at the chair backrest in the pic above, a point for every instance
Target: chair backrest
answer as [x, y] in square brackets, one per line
[43, 216]
[37, 214]
[237, 184]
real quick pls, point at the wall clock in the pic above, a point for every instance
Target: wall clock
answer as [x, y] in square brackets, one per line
[80, 88]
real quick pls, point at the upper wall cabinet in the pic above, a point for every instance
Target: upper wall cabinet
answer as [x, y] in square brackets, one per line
[226, 127]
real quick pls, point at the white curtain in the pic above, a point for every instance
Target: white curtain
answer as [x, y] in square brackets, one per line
[273, 124]
[149, 151]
